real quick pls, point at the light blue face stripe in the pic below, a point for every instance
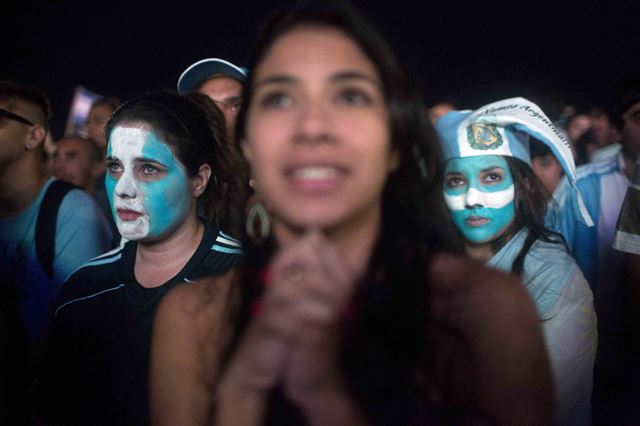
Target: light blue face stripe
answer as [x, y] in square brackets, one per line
[223, 249]
[86, 297]
[167, 200]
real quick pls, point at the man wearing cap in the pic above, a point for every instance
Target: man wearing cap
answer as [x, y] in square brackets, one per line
[221, 81]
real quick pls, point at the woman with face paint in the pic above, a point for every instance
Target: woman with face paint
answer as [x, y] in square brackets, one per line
[345, 315]
[498, 205]
[167, 160]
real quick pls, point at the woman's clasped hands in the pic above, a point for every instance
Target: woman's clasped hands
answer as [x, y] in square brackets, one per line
[293, 339]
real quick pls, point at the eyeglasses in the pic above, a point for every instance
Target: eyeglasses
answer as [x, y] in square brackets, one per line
[11, 116]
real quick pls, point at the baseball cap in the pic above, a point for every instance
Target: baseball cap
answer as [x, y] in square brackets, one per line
[200, 71]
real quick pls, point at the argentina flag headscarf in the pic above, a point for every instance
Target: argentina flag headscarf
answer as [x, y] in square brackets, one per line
[503, 128]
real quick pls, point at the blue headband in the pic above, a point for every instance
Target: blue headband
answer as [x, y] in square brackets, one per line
[503, 128]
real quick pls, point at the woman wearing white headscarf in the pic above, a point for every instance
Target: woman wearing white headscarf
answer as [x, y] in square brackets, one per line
[499, 206]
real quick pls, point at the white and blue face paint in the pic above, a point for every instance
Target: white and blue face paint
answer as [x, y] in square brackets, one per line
[147, 185]
[479, 193]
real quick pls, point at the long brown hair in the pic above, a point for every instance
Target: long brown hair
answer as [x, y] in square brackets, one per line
[386, 337]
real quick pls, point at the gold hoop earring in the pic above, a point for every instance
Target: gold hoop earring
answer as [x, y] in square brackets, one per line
[257, 223]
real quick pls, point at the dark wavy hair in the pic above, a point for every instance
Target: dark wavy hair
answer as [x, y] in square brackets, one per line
[386, 341]
[531, 204]
[193, 126]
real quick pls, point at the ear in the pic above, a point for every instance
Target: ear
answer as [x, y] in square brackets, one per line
[35, 137]
[200, 180]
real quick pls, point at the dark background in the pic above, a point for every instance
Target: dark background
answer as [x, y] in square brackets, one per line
[469, 53]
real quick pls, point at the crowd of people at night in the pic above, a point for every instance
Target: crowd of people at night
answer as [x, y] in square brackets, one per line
[304, 241]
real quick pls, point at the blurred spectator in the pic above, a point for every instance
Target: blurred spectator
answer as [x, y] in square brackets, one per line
[604, 131]
[100, 112]
[545, 165]
[221, 81]
[78, 161]
[585, 146]
[39, 247]
[577, 125]
[440, 109]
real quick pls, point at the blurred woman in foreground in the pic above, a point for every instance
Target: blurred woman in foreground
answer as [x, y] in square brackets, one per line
[345, 314]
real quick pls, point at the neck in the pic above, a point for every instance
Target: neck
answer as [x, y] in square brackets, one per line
[485, 251]
[482, 252]
[20, 183]
[159, 261]
[354, 240]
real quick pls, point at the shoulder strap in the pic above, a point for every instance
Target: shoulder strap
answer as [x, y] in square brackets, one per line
[46, 224]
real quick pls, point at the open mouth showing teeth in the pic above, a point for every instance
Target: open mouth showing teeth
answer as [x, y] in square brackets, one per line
[315, 173]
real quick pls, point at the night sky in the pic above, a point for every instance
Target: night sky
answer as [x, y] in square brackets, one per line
[469, 54]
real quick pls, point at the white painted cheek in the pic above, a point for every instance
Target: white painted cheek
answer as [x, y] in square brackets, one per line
[127, 144]
[134, 230]
[473, 197]
[454, 202]
[127, 186]
[497, 200]
[129, 196]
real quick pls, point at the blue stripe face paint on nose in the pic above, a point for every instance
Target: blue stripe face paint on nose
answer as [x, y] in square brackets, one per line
[147, 185]
[479, 192]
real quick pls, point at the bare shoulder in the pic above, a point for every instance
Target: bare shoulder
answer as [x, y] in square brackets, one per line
[198, 314]
[202, 298]
[192, 329]
[498, 342]
[467, 286]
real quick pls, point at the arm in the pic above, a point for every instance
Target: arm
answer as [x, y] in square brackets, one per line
[191, 332]
[503, 350]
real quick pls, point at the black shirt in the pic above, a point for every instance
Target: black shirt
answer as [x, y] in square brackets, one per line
[96, 367]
